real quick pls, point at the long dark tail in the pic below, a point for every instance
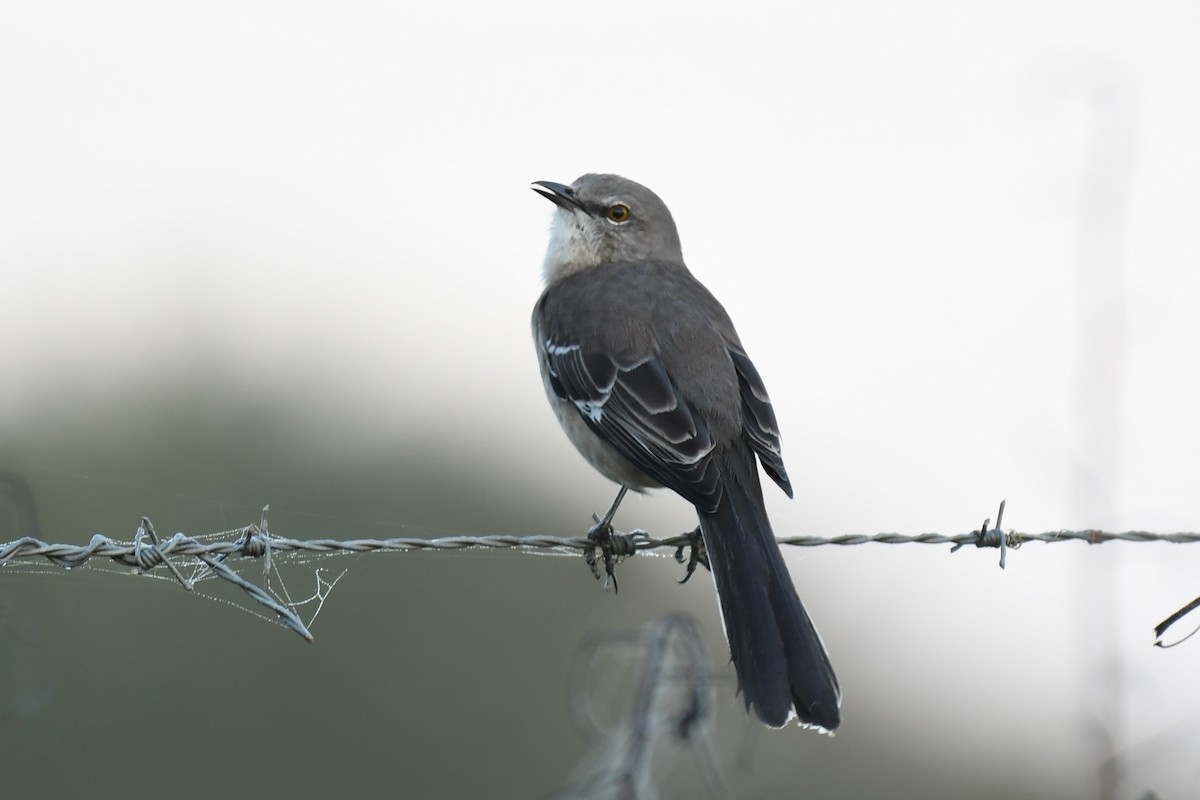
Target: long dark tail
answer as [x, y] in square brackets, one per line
[780, 661]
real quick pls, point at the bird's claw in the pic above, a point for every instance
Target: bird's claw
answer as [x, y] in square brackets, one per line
[602, 534]
[697, 554]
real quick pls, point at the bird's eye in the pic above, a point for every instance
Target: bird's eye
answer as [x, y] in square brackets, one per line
[618, 213]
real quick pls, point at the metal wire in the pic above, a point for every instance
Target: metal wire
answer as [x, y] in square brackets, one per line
[147, 551]
[252, 543]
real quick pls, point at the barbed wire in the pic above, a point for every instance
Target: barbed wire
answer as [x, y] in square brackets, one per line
[147, 551]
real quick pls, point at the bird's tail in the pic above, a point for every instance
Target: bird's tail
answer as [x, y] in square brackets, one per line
[782, 668]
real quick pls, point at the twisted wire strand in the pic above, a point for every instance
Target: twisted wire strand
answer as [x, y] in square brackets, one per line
[148, 551]
[252, 542]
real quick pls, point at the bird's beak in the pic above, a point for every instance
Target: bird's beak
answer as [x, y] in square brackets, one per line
[559, 194]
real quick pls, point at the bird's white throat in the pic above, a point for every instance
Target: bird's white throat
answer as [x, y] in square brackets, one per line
[574, 245]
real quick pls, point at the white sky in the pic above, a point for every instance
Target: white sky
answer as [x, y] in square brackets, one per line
[960, 242]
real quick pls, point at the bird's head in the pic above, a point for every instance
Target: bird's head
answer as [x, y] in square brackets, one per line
[606, 219]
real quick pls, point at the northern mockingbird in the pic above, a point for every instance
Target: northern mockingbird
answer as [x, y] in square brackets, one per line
[651, 384]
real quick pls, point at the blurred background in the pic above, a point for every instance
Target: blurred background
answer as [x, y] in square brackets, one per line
[285, 253]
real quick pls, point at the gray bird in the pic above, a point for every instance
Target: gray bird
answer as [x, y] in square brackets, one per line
[651, 384]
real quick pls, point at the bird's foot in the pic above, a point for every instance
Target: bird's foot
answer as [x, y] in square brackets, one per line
[613, 546]
[697, 554]
[604, 552]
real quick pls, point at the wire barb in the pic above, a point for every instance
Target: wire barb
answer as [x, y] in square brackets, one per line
[996, 537]
[150, 557]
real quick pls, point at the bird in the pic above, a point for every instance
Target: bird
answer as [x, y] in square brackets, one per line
[649, 380]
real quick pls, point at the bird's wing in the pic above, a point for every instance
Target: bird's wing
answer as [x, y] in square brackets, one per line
[758, 419]
[632, 403]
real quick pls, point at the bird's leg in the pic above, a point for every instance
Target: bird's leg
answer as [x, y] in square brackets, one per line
[601, 534]
[697, 554]
[606, 523]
